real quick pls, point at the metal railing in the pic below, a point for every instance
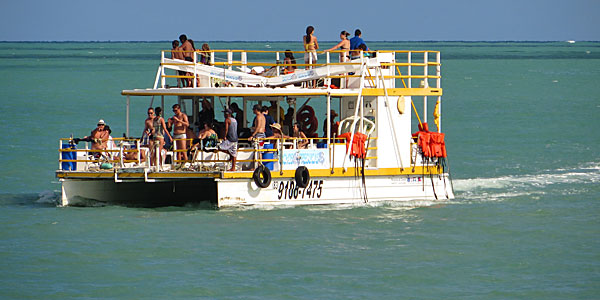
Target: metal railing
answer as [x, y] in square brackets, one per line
[407, 65]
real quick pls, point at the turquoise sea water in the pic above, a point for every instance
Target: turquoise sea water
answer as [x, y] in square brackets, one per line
[522, 133]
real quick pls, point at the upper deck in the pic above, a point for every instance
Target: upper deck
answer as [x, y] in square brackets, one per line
[230, 73]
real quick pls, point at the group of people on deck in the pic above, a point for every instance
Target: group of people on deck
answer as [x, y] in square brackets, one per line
[178, 132]
[185, 51]
[350, 47]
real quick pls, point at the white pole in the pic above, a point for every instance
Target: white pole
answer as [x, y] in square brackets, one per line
[277, 60]
[194, 83]
[409, 70]
[425, 85]
[127, 118]
[438, 73]
[162, 69]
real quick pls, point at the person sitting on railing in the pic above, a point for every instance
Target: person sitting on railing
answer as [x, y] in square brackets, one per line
[99, 139]
[110, 144]
[289, 62]
[205, 56]
[208, 135]
[277, 134]
[229, 144]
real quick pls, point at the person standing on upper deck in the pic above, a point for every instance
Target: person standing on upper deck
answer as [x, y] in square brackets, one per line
[310, 46]
[355, 42]
[177, 54]
[344, 45]
[180, 123]
[188, 53]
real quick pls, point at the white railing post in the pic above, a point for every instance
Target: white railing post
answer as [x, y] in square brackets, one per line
[229, 59]
[244, 57]
[328, 71]
[409, 69]
[162, 69]
[438, 73]
[277, 60]
[425, 84]
[194, 83]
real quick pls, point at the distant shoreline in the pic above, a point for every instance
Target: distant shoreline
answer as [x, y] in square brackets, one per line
[294, 41]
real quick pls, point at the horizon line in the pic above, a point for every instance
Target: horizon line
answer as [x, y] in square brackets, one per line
[294, 41]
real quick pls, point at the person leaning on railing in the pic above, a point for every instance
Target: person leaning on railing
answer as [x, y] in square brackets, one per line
[99, 138]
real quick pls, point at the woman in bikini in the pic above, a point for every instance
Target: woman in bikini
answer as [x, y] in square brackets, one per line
[310, 46]
[344, 45]
[289, 62]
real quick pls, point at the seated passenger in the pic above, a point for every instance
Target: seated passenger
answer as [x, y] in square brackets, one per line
[289, 62]
[303, 141]
[208, 136]
[99, 139]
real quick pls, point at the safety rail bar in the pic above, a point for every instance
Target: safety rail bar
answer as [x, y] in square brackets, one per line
[292, 142]
[408, 64]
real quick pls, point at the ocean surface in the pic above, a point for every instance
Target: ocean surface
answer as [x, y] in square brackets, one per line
[523, 134]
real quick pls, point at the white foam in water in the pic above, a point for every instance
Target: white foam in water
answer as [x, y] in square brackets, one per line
[51, 197]
[490, 189]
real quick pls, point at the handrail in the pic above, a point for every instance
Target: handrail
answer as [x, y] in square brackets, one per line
[409, 60]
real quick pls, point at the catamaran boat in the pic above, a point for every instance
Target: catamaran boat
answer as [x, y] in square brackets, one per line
[380, 149]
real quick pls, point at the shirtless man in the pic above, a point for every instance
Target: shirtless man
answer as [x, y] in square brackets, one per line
[259, 123]
[188, 52]
[180, 123]
[99, 138]
[177, 54]
[186, 46]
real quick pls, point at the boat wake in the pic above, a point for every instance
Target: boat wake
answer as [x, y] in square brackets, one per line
[48, 197]
[577, 180]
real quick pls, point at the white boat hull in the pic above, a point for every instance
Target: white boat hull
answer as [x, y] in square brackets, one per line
[244, 192]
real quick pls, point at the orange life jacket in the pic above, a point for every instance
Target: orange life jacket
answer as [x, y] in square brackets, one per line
[358, 144]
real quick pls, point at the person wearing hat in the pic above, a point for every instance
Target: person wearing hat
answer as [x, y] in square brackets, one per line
[99, 138]
[334, 124]
[229, 144]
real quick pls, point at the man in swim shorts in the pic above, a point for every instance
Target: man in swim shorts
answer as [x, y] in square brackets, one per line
[180, 123]
[229, 144]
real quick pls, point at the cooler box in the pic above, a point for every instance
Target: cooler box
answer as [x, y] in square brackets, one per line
[69, 166]
[268, 155]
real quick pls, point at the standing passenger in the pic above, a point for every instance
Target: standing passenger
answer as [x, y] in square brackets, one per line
[188, 52]
[180, 123]
[229, 144]
[355, 42]
[268, 122]
[259, 123]
[344, 44]
[310, 46]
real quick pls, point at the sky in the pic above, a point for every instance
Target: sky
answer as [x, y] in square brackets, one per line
[267, 20]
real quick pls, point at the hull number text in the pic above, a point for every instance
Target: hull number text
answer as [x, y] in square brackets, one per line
[289, 190]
